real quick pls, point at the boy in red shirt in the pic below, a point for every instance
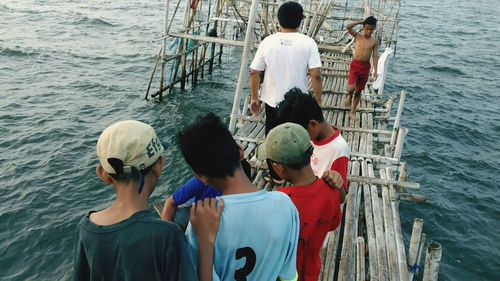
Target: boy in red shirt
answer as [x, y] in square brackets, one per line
[330, 158]
[289, 150]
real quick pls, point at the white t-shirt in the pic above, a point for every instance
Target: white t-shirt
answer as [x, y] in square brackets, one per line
[286, 57]
[331, 154]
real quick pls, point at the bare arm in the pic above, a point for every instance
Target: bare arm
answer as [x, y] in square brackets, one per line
[169, 208]
[316, 84]
[352, 31]
[205, 219]
[254, 91]
[375, 60]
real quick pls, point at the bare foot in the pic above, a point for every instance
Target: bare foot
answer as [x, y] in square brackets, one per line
[347, 102]
[352, 116]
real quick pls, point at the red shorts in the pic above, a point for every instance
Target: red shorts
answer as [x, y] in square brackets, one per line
[358, 74]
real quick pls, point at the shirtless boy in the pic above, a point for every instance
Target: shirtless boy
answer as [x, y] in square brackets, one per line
[360, 65]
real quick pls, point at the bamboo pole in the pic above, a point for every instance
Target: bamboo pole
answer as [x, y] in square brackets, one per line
[414, 246]
[389, 232]
[398, 233]
[153, 73]
[331, 254]
[164, 48]
[383, 273]
[347, 259]
[243, 67]
[420, 252]
[370, 233]
[432, 259]
[377, 181]
[398, 117]
[360, 259]
[400, 143]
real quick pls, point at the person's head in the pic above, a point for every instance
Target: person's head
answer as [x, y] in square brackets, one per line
[130, 153]
[290, 15]
[302, 109]
[288, 148]
[369, 25]
[209, 148]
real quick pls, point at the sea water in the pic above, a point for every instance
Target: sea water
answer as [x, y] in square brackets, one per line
[68, 69]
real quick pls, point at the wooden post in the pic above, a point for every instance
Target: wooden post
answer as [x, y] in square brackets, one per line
[243, 67]
[414, 245]
[432, 259]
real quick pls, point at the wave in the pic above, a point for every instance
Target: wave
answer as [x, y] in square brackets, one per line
[446, 69]
[85, 20]
[17, 52]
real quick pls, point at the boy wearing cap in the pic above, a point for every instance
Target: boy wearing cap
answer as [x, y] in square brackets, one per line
[125, 241]
[258, 233]
[289, 149]
[330, 158]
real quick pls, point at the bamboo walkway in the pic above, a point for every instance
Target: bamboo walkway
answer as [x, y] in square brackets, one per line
[369, 244]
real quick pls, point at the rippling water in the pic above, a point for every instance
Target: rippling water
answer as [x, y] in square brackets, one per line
[70, 68]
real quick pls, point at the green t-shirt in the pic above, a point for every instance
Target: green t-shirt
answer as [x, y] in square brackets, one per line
[141, 247]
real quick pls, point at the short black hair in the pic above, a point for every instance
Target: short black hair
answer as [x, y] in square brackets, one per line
[209, 148]
[299, 108]
[290, 14]
[371, 20]
[117, 165]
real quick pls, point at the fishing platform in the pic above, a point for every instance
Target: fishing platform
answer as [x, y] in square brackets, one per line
[369, 244]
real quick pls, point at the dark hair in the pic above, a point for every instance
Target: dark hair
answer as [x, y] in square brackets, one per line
[133, 175]
[209, 148]
[299, 108]
[370, 21]
[296, 166]
[290, 14]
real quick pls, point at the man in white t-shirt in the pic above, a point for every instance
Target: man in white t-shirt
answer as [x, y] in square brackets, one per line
[286, 57]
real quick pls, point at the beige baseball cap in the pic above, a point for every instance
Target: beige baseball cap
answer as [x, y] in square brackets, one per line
[133, 142]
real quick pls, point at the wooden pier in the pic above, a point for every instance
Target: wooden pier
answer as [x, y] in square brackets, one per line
[369, 244]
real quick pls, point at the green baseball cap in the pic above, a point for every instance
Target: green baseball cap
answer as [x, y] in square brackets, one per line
[287, 143]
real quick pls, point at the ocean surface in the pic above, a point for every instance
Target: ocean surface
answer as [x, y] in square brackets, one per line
[68, 69]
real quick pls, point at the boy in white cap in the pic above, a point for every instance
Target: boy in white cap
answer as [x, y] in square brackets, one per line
[125, 241]
[289, 150]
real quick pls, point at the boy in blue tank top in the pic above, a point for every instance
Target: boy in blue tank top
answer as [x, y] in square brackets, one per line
[258, 232]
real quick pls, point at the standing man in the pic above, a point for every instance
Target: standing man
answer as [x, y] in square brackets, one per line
[286, 57]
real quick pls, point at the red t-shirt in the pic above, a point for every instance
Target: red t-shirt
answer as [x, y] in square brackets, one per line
[319, 213]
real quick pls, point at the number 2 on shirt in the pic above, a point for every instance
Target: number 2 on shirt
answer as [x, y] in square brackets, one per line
[250, 258]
